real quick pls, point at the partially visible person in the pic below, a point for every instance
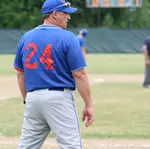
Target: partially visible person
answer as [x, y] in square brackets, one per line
[146, 51]
[81, 38]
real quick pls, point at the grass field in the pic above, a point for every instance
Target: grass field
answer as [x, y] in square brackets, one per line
[122, 110]
[97, 63]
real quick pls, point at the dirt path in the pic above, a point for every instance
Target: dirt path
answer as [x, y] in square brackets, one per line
[9, 87]
[115, 78]
[87, 144]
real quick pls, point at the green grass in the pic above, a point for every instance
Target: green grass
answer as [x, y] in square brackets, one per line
[11, 117]
[6, 65]
[97, 63]
[115, 63]
[121, 111]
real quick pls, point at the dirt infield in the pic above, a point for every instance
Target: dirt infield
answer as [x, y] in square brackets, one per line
[11, 143]
[115, 78]
[9, 87]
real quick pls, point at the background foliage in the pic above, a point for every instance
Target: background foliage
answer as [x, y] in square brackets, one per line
[27, 14]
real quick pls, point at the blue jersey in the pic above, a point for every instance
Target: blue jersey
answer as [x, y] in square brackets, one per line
[47, 55]
[81, 41]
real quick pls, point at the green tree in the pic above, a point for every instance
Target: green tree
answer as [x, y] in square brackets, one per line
[27, 14]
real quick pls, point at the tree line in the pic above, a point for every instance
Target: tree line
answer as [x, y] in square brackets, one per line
[25, 14]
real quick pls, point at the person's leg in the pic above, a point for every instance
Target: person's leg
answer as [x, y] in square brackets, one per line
[146, 82]
[35, 129]
[63, 120]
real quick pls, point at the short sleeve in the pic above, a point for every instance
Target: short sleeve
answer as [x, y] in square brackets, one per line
[18, 64]
[146, 41]
[82, 43]
[74, 54]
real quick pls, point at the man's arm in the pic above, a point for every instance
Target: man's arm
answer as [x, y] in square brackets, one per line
[83, 87]
[147, 61]
[21, 83]
[84, 53]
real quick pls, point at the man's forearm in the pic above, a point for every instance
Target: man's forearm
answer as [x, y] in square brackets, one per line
[145, 52]
[83, 87]
[146, 55]
[84, 52]
[21, 83]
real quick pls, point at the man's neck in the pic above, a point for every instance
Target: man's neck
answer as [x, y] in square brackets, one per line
[51, 22]
[47, 22]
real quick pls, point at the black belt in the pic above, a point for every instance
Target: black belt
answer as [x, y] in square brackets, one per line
[53, 89]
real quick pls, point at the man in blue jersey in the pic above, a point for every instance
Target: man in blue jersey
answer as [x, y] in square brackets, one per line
[50, 64]
[146, 51]
[81, 38]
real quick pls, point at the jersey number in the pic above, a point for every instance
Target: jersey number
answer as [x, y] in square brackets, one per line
[44, 58]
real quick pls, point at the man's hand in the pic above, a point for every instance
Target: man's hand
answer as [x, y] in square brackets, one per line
[88, 115]
[148, 62]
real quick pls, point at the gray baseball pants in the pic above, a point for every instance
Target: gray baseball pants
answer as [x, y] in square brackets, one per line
[146, 82]
[47, 111]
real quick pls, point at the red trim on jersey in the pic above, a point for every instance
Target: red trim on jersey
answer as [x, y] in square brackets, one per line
[18, 69]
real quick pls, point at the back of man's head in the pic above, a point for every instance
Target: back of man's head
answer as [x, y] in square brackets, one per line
[57, 5]
[83, 32]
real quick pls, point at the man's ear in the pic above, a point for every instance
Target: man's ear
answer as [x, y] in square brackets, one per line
[55, 14]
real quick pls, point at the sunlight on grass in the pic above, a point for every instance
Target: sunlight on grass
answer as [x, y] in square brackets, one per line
[6, 65]
[11, 117]
[115, 63]
[121, 111]
[97, 63]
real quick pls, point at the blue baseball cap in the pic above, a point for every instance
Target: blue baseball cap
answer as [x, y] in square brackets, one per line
[57, 5]
[84, 32]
